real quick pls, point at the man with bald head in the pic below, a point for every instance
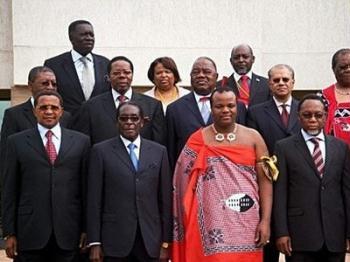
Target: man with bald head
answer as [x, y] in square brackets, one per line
[192, 111]
[249, 88]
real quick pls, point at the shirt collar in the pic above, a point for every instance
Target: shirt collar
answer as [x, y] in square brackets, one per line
[238, 76]
[116, 94]
[56, 130]
[136, 142]
[307, 136]
[76, 56]
[288, 102]
[197, 96]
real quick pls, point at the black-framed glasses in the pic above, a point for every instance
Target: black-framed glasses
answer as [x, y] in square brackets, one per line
[49, 107]
[125, 119]
[317, 115]
[284, 80]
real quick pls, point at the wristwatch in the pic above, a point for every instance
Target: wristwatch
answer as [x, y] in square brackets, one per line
[165, 245]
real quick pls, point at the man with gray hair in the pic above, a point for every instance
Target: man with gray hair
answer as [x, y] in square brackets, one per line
[276, 119]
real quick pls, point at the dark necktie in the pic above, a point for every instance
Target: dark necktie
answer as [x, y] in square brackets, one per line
[122, 98]
[244, 90]
[205, 112]
[133, 156]
[284, 115]
[50, 147]
[317, 156]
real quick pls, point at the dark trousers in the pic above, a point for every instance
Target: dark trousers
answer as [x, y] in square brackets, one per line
[51, 252]
[322, 255]
[271, 254]
[138, 252]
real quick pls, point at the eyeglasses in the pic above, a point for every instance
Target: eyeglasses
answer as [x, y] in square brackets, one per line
[52, 108]
[317, 115]
[125, 119]
[284, 80]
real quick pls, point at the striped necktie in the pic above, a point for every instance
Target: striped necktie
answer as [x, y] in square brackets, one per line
[317, 156]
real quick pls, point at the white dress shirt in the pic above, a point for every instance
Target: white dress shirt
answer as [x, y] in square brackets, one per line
[56, 135]
[79, 65]
[199, 103]
[238, 76]
[116, 94]
[311, 145]
[136, 142]
[288, 104]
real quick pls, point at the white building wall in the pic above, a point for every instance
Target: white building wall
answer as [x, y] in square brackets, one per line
[303, 34]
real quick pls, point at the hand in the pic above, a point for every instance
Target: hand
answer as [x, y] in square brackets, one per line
[284, 245]
[348, 245]
[262, 234]
[11, 247]
[82, 243]
[96, 254]
[164, 254]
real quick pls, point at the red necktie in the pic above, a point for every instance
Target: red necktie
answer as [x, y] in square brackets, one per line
[122, 98]
[284, 115]
[317, 156]
[50, 147]
[244, 90]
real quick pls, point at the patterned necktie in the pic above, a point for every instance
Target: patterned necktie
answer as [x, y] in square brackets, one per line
[87, 78]
[284, 115]
[244, 90]
[122, 98]
[317, 156]
[50, 147]
[133, 156]
[205, 112]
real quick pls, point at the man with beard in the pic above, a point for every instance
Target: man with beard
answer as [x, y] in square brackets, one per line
[249, 88]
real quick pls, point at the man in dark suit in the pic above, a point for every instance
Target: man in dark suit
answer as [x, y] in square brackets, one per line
[43, 187]
[80, 74]
[250, 88]
[97, 116]
[312, 193]
[129, 200]
[192, 111]
[21, 117]
[276, 119]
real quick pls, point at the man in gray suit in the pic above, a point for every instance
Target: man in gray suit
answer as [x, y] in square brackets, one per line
[129, 194]
[312, 193]
[43, 188]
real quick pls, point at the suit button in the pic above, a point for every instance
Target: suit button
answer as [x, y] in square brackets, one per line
[137, 180]
[323, 187]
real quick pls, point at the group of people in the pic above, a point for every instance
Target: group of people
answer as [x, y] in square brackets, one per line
[235, 169]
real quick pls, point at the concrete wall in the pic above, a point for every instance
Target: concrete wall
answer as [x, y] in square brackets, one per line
[303, 34]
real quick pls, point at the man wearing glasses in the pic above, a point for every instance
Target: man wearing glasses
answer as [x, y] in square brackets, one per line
[129, 194]
[312, 193]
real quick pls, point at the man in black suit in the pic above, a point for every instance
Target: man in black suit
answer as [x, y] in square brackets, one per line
[192, 111]
[129, 200]
[43, 187]
[21, 117]
[276, 119]
[97, 116]
[312, 193]
[250, 88]
[80, 74]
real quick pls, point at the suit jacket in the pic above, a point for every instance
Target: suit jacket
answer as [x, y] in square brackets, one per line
[40, 199]
[68, 84]
[97, 118]
[17, 119]
[266, 119]
[259, 88]
[311, 210]
[120, 198]
[183, 118]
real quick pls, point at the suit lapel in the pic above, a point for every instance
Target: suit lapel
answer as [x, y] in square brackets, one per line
[330, 153]
[28, 113]
[34, 140]
[254, 86]
[69, 68]
[118, 148]
[293, 115]
[272, 111]
[109, 106]
[99, 71]
[304, 150]
[67, 141]
[192, 106]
